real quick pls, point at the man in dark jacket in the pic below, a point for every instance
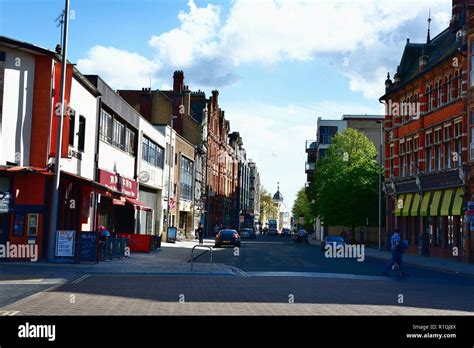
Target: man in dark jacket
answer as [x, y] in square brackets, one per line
[200, 232]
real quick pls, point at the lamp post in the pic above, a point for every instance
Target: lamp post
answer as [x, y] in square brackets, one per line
[380, 185]
[59, 138]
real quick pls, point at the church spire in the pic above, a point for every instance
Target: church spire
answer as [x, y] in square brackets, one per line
[428, 38]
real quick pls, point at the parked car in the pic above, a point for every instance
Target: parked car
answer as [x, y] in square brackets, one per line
[227, 237]
[272, 232]
[247, 233]
[301, 236]
[331, 240]
[286, 232]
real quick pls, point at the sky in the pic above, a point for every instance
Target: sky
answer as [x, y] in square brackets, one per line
[278, 64]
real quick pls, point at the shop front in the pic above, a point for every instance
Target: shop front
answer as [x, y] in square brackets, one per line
[432, 221]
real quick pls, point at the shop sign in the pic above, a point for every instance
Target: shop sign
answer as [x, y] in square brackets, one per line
[65, 243]
[5, 198]
[118, 183]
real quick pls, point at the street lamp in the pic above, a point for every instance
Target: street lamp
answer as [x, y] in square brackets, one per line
[380, 184]
[170, 159]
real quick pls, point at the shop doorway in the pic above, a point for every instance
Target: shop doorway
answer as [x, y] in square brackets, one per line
[4, 228]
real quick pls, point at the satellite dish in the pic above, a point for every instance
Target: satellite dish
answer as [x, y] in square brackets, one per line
[144, 176]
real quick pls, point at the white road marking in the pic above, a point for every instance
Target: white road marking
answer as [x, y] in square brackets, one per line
[80, 279]
[316, 275]
[8, 313]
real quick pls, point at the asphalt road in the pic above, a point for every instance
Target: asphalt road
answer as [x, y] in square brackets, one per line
[282, 254]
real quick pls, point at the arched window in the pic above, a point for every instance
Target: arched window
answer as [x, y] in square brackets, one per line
[459, 84]
[444, 91]
[437, 102]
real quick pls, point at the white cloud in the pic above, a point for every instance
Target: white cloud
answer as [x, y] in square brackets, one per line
[120, 69]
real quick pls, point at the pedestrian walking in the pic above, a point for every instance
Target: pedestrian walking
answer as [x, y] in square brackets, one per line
[200, 232]
[396, 247]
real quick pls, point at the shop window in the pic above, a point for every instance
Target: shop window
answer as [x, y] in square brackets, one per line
[437, 157]
[82, 134]
[19, 225]
[186, 178]
[428, 162]
[447, 155]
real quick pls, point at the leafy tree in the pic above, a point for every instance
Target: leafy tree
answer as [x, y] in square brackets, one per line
[302, 207]
[345, 188]
[267, 206]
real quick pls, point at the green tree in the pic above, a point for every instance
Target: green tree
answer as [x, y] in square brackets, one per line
[302, 207]
[345, 188]
[267, 206]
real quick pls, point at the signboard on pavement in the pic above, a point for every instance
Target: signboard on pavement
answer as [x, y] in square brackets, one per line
[65, 243]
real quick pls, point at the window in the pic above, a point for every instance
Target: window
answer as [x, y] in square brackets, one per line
[447, 155]
[437, 136]
[105, 127]
[428, 139]
[428, 162]
[326, 133]
[401, 148]
[457, 85]
[130, 141]
[447, 132]
[457, 130]
[152, 153]
[409, 145]
[402, 166]
[472, 71]
[458, 158]
[438, 94]
[415, 163]
[430, 98]
[449, 88]
[119, 134]
[186, 178]
[437, 157]
[409, 168]
[82, 133]
[416, 143]
[72, 121]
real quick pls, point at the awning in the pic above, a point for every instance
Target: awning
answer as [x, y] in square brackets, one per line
[138, 205]
[446, 204]
[399, 205]
[458, 202]
[425, 204]
[434, 208]
[407, 205]
[415, 206]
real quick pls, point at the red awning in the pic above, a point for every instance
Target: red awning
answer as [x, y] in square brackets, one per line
[138, 205]
[25, 169]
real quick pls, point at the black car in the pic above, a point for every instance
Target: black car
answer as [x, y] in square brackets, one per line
[286, 232]
[337, 240]
[247, 233]
[227, 237]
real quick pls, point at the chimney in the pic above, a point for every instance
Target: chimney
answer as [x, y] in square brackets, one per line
[457, 11]
[215, 97]
[187, 100]
[178, 81]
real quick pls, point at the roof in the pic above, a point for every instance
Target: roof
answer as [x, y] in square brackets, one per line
[437, 50]
[278, 196]
[363, 117]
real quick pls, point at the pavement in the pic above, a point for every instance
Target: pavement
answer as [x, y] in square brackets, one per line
[432, 263]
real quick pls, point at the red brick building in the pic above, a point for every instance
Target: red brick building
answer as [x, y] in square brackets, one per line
[428, 129]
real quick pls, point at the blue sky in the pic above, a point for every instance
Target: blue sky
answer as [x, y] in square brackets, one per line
[277, 64]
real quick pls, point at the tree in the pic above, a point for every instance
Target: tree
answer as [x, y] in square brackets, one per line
[302, 207]
[267, 206]
[345, 187]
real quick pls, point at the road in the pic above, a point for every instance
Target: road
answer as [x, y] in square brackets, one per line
[273, 276]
